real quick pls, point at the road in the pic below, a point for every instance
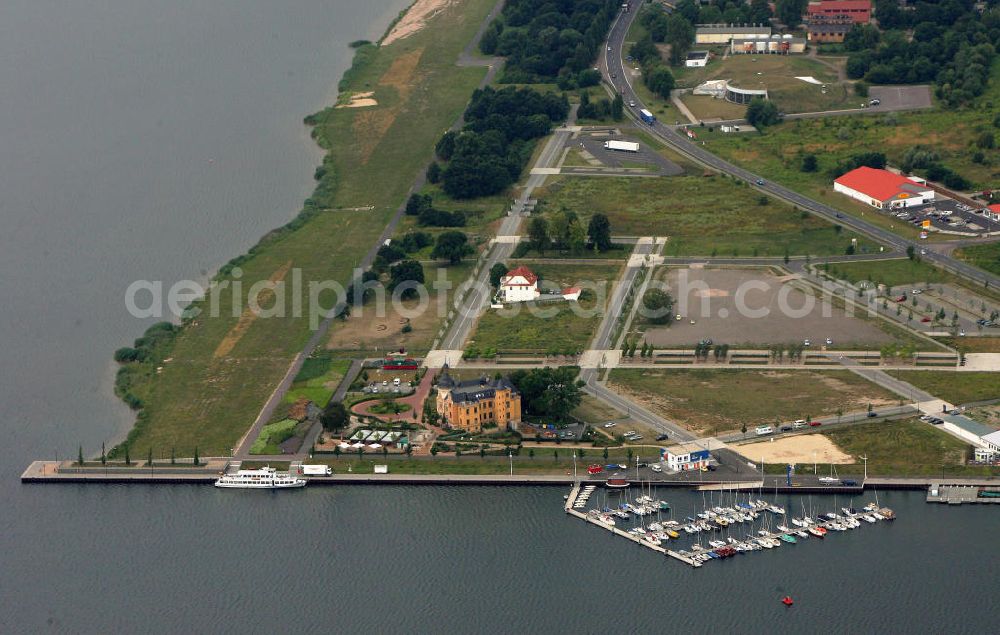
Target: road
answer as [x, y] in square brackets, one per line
[478, 297]
[616, 77]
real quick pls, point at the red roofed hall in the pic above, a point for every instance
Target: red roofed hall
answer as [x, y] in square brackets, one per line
[883, 189]
[860, 11]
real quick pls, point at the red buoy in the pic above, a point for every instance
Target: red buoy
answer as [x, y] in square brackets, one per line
[787, 601]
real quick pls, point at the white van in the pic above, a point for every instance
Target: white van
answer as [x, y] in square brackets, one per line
[799, 423]
[395, 382]
[764, 430]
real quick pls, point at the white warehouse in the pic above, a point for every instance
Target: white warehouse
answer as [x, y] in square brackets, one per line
[883, 189]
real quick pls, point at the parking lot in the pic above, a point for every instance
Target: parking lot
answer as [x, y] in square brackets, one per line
[901, 97]
[950, 216]
[593, 144]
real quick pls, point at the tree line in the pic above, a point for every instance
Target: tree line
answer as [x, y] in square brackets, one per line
[549, 40]
[949, 43]
[564, 230]
[489, 153]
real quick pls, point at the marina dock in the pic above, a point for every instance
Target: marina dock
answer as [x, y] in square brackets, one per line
[698, 555]
[958, 494]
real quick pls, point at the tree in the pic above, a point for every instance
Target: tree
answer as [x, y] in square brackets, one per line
[149, 457]
[128, 459]
[660, 80]
[409, 272]
[760, 12]
[548, 392]
[911, 253]
[434, 172]
[680, 37]
[599, 230]
[79, 460]
[618, 108]
[531, 453]
[605, 454]
[197, 460]
[104, 455]
[657, 306]
[497, 272]
[789, 12]
[538, 233]
[809, 163]
[434, 450]
[451, 246]
[334, 416]
[762, 113]
[417, 203]
[743, 428]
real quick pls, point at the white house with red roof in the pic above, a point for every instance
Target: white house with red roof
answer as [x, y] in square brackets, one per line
[519, 285]
[883, 189]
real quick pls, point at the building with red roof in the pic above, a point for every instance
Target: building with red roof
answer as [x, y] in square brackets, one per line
[860, 11]
[519, 285]
[883, 189]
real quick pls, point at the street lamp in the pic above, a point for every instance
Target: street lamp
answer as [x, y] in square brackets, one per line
[865, 459]
[510, 456]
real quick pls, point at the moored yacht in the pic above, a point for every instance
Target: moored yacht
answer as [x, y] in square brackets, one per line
[264, 478]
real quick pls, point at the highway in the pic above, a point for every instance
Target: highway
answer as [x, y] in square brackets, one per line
[617, 78]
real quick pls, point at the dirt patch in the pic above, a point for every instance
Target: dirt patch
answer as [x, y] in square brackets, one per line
[360, 100]
[370, 126]
[804, 448]
[416, 18]
[248, 317]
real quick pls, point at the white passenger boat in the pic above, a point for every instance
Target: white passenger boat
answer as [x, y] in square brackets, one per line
[264, 478]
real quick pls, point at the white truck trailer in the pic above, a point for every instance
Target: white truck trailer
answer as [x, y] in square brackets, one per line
[621, 146]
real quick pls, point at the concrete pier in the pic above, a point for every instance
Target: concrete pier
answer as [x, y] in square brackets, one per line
[958, 494]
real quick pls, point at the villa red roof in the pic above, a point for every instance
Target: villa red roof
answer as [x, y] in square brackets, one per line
[523, 272]
[878, 184]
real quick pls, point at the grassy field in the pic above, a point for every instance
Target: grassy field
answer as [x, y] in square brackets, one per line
[713, 401]
[701, 215]
[985, 257]
[973, 344]
[318, 379]
[778, 151]
[223, 368]
[556, 327]
[775, 73]
[953, 387]
[890, 272]
[907, 447]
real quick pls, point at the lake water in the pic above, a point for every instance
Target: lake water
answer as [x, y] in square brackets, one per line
[156, 139]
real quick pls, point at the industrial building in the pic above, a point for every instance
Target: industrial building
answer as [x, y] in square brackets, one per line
[478, 403]
[774, 45]
[828, 28]
[696, 59]
[883, 189]
[723, 33]
[859, 11]
[720, 89]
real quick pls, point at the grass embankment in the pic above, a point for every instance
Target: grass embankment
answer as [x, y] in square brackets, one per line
[954, 387]
[713, 401]
[985, 257]
[701, 216]
[223, 368]
[952, 134]
[907, 447]
[272, 436]
[890, 272]
[775, 73]
[557, 327]
[973, 344]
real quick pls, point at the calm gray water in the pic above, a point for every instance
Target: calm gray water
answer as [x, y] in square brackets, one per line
[158, 138]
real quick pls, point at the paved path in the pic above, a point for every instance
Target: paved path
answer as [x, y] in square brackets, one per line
[478, 297]
[415, 401]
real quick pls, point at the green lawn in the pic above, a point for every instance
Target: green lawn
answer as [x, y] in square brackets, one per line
[272, 435]
[778, 151]
[701, 215]
[974, 344]
[713, 401]
[906, 447]
[983, 256]
[953, 387]
[318, 379]
[890, 272]
[209, 399]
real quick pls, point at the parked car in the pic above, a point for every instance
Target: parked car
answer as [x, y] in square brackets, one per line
[760, 181]
[815, 423]
[610, 424]
[849, 482]
[662, 437]
[872, 414]
[801, 423]
[656, 468]
[786, 428]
